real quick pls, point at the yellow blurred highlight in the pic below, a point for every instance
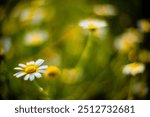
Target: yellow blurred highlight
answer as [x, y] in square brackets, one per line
[35, 38]
[72, 33]
[127, 40]
[70, 76]
[144, 25]
[73, 38]
[1, 49]
[51, 72]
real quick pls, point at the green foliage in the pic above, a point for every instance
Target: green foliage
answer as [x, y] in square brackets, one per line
[89, 61]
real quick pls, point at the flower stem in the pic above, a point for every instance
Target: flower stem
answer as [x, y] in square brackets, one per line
[131, 86]
[40, 89]
[85, 52]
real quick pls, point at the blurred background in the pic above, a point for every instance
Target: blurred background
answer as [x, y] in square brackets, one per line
[49, 29]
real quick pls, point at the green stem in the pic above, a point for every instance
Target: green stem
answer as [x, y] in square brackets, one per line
[85, 52]
[40, 89]
[131, 86]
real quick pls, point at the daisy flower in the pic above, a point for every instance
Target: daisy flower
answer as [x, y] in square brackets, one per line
[31, 69]
[134, 68]
[92, 24]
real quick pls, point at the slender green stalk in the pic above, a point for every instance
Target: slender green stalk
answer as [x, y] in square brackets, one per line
[41, 90]
[85, 52]
[131, 86]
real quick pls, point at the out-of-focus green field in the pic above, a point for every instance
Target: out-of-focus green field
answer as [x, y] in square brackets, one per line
[86, 61]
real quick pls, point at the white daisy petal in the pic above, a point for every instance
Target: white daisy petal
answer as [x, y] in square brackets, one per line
[43, 67]
[126, 70]
[31, 77]
[27, 77]
[22, 65]
[96, 24]
[41, 71]
[30, 63]
[19, 74]
[18, 68]
[39, 62]
[38, 75]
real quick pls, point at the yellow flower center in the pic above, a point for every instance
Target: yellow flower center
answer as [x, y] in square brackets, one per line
[31, 14]
[145, 25]
[127, 44]
[36, 40]
[52, 71]
[29, 69]
[91, 26]
[134, 66]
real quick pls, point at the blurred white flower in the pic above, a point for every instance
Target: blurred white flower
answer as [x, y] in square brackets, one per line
[35, 38]
[127, 40]
[105, 10]
[144, 25]
[134, 68]
[92, 24]
[5, 45]
[34, 12]
[33, 15]
[31, 70]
